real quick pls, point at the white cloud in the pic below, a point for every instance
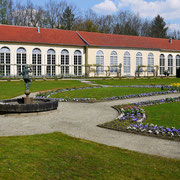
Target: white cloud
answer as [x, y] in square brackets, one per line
[174, 27]
[106, 7]
[169, 9]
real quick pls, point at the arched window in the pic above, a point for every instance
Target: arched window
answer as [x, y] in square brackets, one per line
[177, 61]
[5, 60]
[170, 64]
[127, 63]
[100, 61]
[139, 61]
[162, 64]
[113, 61]
[51, 63]
[36, 62]
[77, 63]
[65, 62]
[150, 62]
[21, 60]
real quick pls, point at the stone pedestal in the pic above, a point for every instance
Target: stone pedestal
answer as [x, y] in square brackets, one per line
[28, 100]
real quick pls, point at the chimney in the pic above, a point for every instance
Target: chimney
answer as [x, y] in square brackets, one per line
[38, 29]
[170, 40]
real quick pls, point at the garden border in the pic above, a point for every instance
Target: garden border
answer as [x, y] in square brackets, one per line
[47, 94]
[135, 131]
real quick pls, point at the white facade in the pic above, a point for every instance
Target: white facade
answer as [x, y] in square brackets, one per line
[70, 60]
[124, 60]
[29, 49]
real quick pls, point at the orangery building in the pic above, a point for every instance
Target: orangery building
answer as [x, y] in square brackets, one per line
[54, 52]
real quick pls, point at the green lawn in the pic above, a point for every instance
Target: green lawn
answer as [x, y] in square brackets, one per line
[137, 81]
[57, 156]
[99, 93]
[166, 115]
[14, 88]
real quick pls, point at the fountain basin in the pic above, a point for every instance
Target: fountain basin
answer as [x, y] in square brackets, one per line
[18, 106]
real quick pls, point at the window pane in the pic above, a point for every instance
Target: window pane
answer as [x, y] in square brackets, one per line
[79, 60]
[62, 69]
[67, 59]
[34, 59]
[79, 70]
[177, 60]
[48, 70]
[75, 70]
[75, 60]
[18, 58]
[170, 64]
[8, 70]
[67, 69]
[7, 58]
[62, 59]
[19, 70]
[39, 58]
[126, 63]
[53, 59]
[113, 61]
[2, 73]
[48, 59]
[34, 70]
[150, 62]
[53, 70]
[23, 58]
[100, 61]
[2, 58]
[39, 71]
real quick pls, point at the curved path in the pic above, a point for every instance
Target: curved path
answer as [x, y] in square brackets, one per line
[80, 120]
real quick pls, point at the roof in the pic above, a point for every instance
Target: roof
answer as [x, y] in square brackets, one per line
[23, 34]
[46, 36]
[113, 40]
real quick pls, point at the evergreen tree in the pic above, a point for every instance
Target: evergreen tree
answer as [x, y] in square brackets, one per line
[3, 12]
[158, 27]
[68, 19]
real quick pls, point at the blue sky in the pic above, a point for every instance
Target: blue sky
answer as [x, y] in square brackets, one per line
[169, 9]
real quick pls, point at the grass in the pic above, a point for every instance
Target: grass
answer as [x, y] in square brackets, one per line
[15, 88]
[57, 156]
[166, 115]
[164, 81]
[99, 93]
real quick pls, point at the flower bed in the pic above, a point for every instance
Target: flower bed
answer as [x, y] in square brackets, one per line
[175, 86]
[131, 119]
[47, 94]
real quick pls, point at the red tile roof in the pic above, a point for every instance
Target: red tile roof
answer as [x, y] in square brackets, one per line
[100, 39]
[63, 37]
[46, 36]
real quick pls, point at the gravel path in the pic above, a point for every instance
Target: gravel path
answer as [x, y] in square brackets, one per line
[80, 120]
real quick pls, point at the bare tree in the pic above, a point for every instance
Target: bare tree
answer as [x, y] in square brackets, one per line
[127, 23]
[106, 24]
[145, 28]
[92, 16]
[20, 15]
[52, 13]
[10, 9]
[174, 34]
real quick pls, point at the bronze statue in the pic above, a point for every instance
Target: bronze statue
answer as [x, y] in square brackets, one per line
[27, 69]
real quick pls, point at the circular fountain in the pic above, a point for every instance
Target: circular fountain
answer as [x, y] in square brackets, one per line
[27, 104]
[19, 105]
